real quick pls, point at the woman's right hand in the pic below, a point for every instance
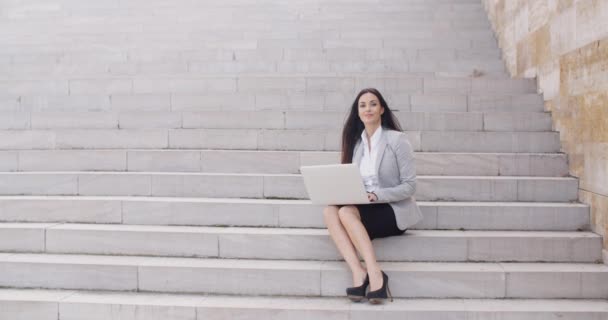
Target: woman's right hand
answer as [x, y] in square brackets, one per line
[371, 197]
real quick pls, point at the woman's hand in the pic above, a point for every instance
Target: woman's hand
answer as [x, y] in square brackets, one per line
[371, 197]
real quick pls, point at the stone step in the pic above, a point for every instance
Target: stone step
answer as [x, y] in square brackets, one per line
[269, 139]
[523, 216]
[40, 304]
[329, 40]
[177, 55]
[243, 161]
[243, 13]
[294, 54]
[283, 102]
[282, 186]
[301, 278]
[158, 41]
[234, 24]
[124, 41]
[237, 68]
[297, 244]
[269, 119]
[268, 83]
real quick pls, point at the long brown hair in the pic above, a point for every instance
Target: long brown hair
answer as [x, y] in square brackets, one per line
[353, 126]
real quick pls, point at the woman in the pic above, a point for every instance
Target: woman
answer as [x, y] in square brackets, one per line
[373, 140]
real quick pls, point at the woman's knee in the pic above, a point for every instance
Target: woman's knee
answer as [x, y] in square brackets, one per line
[330, 214]
[348, 213]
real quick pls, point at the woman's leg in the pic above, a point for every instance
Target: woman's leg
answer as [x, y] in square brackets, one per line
[344, 244]
[351, 220]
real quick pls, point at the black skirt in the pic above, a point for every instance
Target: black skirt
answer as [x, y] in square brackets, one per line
[379, 220]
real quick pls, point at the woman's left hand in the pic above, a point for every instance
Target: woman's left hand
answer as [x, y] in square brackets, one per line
[371, 197]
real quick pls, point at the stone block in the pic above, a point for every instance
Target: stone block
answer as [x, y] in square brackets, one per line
[149, 119]
[466, 189]
[67, 274]
[434, 86]
[199, 102]
[348, 43]
[148, 311]
[506, 103]
[259, 54]
[43, 209]
[249, 161]
[291, 140]
[284, 186]
[131, 240]
[9, 103]
[290, 43]
[304, 67]
[333, 140]
[278, 245]
[205, 54]
[296, 101]
[319, 158]
[543, 164]
[314, 120]
[234, 67]
[20, 237]
[35, 87]
[72, 160]
[234, 277]
[489, 141]
[93, 102]
[439, 103]
[205, 213]
[114, 184]
[164, 161]
[99, 86]
[433, 121]
[534, 247]
[112, 139]
[184, 85]
[458, 164]
[422, 246]
[516, 121]
[449, 280]
[534, 281]
[143, 102]
[9, 160]
[301, 215]
[234, 120]
[38, 184]
[23, 310]
[557, 217]
[547, 189]
[74, 120]
[213, 139]
[340, 84]
[403, 85]
[14, 120]
[259, 85]
[207, 185]
[496, 85]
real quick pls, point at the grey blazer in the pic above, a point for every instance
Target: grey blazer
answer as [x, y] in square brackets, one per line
[396, 176]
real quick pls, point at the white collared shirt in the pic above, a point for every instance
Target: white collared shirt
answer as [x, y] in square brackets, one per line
[367, 166]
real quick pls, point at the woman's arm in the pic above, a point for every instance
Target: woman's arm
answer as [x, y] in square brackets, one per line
[407, 174]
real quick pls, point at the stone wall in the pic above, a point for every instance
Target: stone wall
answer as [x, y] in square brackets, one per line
[564, 43]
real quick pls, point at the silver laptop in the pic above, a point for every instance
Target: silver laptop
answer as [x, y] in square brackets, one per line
[334, 184]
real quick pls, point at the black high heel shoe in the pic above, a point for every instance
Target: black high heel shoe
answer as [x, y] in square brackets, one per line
[378, 296]
[356, 294]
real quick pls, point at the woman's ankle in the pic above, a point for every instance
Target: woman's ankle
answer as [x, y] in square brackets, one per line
[359, 277]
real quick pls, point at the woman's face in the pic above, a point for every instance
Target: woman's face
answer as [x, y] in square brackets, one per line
[370, 109]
